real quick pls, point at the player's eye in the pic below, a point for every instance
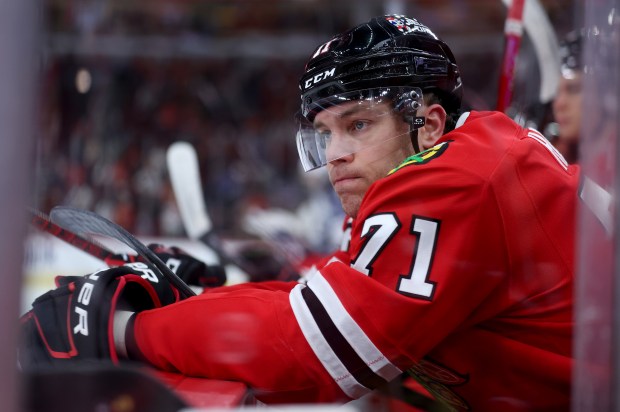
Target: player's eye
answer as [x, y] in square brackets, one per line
[359, 125]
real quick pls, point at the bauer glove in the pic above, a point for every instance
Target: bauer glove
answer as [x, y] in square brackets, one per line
[75, 321]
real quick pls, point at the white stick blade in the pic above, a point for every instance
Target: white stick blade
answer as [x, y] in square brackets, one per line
[184, 174]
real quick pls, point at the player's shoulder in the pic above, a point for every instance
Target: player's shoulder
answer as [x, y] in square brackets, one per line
[423, 157]
[476, 143]
[489, 130]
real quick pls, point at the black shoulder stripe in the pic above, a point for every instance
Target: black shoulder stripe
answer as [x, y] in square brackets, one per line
[347, 355]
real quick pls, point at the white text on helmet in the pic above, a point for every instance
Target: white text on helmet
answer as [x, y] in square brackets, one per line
[318, 77]
[323, 48]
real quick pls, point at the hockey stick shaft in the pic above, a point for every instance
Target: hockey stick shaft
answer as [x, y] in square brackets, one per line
[513, 30]
[542, 34]
[42, 222]
[90, 246]
[86, 222]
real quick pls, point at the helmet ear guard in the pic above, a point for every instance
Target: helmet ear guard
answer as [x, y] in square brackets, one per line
[571, 53]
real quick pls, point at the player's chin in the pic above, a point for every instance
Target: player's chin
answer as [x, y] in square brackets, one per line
[350, 203]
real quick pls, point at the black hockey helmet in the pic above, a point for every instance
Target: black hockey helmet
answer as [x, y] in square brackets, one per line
[387, 51]
[571, 52]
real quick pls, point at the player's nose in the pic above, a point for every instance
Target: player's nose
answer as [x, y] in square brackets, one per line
[338, 147]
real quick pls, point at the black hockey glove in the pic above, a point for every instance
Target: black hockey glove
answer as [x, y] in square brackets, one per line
[75, 321]
[191, 270]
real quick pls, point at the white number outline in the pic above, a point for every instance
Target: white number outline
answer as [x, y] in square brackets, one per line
[380, 229]
[376, 234]
[416, 283]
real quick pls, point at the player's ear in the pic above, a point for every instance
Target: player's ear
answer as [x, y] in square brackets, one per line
[433, 128]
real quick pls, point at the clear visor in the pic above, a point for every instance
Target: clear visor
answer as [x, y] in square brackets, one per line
[346, 123]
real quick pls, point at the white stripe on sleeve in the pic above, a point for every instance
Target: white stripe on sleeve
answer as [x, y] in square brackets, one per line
[351, 331]
[351, 387]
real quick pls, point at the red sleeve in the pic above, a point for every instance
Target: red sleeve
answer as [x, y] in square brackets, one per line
[274, 285]
[244, 334]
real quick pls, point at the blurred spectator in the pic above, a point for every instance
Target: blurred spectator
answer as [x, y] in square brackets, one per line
[567, 104]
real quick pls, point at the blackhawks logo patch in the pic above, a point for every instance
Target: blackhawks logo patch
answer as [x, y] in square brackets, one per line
[423, 157]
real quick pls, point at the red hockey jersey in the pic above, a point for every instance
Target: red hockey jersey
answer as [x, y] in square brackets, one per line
[459, 272]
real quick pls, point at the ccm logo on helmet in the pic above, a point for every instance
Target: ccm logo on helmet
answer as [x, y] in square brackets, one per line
[319, 77]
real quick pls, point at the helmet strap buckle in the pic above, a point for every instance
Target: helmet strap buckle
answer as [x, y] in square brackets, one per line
[415, 122]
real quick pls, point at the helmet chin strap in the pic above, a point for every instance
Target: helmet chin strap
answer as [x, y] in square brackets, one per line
[413, 133]
[415, 122]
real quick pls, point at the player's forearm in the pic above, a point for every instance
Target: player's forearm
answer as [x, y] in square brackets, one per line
[235, 337]
[273, 285]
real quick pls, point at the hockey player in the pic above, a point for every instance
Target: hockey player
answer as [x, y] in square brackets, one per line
[458, 270]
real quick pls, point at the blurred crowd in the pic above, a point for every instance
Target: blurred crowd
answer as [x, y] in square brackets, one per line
[122, 81]
[103, 147]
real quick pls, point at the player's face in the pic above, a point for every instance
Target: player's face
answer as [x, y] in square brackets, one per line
[567, 107]
[364, 142]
